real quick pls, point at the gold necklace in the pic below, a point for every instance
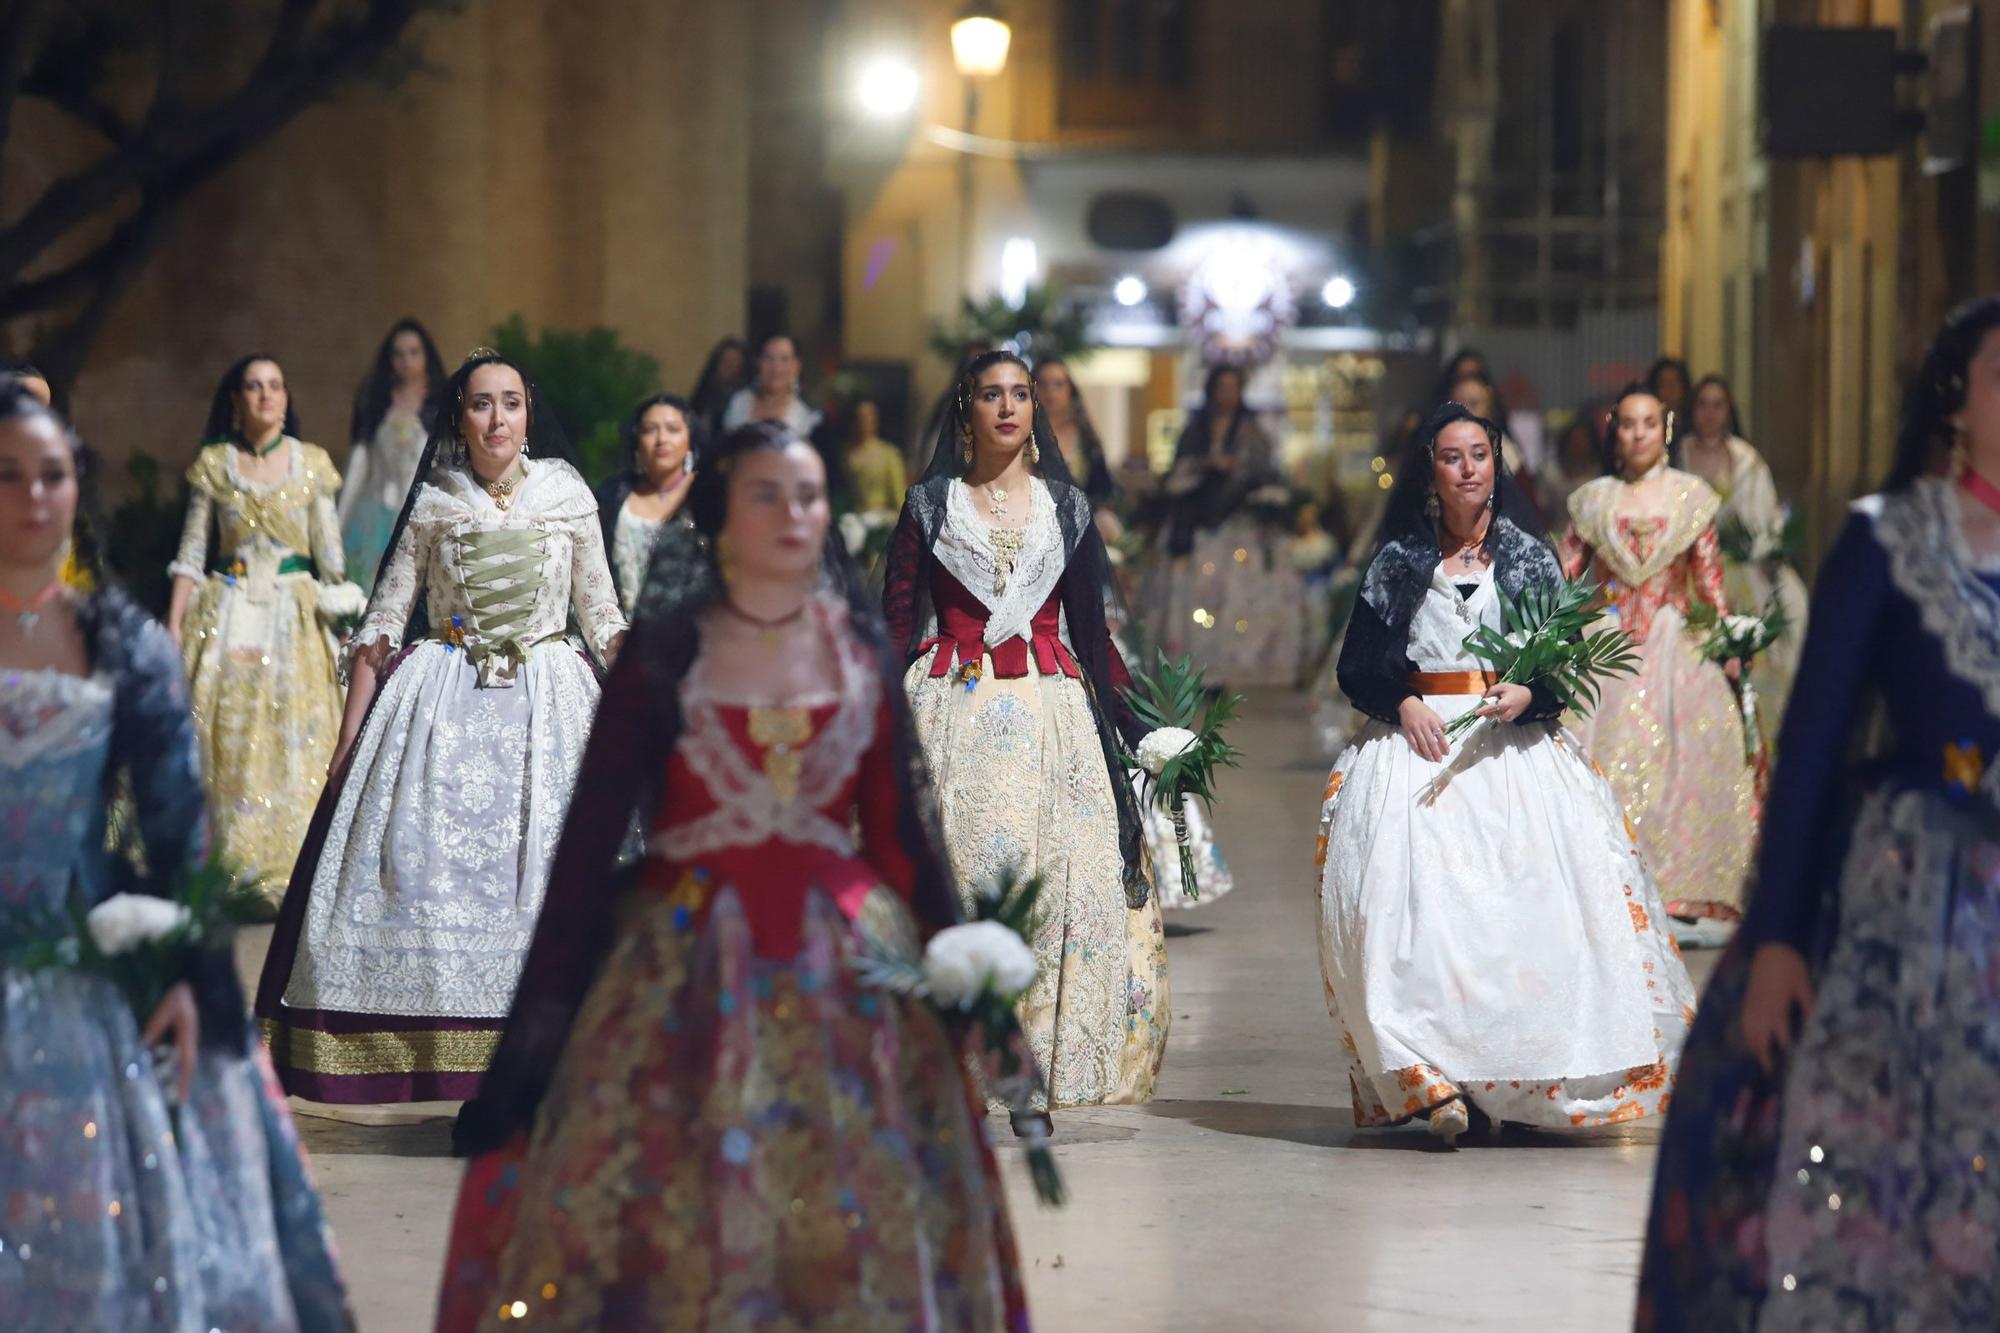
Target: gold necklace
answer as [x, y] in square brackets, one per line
[996, 500]
[501, 492]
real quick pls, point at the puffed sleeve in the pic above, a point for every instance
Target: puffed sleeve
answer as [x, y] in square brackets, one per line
[591, 591]
[1374, 664]
[357, 480]
[395, 595]
[1707, 558]
[324, 522]
[191, 560]
[1794, 871]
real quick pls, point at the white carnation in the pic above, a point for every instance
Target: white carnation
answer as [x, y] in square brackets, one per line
[1161, 745]
[124, 921]
[1741, 627]
[963, 962]
[1517, 640]
[853, 533]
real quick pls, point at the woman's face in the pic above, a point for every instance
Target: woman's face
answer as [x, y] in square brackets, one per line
[729, 365]
[1227, 394]
[1003, 409]
[778, 366]
[1669, 386]
[1579, 448]
[663, 443]
[1474, 397]
[1979, 418]
[38, 491]
[1642, 433]
[1052, 386]
[867, 421]
[494, 419]
[406, 357]
[778, 513]
[1711, 412]
[1462, 471]
[261, 400]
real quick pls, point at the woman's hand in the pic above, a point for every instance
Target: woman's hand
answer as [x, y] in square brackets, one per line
[176, 1014]
[1505, 702]
[613, 648]
[1423, 729]
[1776, 1000]
[1733, 668]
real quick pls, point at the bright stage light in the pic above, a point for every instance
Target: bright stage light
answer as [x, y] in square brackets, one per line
[886, 87]
[1129, 290]
[1338, 293]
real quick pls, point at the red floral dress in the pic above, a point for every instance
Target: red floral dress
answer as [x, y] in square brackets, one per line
[740, 1133]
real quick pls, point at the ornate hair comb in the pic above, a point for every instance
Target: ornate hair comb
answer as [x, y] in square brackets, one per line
[478, 352]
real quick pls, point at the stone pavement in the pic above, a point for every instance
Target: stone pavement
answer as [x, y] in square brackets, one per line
[1241, 1199]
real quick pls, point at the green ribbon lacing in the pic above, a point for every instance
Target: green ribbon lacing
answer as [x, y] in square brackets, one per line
[492, 556]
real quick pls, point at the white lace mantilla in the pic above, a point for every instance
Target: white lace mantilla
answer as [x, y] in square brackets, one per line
[964, 549]
[749, 808]
[1930, 563]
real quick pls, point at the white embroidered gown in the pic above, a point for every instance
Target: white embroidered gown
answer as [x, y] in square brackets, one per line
[1504, 942]
[431, 875]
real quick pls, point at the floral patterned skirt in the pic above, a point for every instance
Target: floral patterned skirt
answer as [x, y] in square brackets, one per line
[109, 1218]
[737, 1142]
[267, 711]
[1860, 1187]
[1022, 786]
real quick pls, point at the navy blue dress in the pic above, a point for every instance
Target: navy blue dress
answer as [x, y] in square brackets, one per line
[1859, 1186]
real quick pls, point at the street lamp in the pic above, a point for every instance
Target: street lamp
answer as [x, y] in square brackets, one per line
[1339, 292]
[980, 37]
[886, 87]
[979, 41]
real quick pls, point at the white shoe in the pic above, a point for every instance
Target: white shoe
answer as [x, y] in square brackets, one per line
[1449, 1121]
[1703, 933]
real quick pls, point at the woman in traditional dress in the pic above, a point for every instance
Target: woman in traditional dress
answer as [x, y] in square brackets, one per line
[1667, 380]
[1671, 737]
[1833, 1159]
[1222, 588]
[774, 394]
[112, 1215]
[1576, 460]
[1082, 450]
[880, 479]
[415, 898]
[702, 1114]
[645, 506]
[1751, 524]
[997, 581]
[260, 545]
[392, 419]
[1458, 993]
[722, 374]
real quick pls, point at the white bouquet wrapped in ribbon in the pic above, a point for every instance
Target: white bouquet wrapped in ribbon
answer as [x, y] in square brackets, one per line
[1160, 745]
[1185, 747]
[341, 605]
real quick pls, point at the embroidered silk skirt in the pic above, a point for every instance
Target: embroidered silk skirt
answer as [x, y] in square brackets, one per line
[1022, 786]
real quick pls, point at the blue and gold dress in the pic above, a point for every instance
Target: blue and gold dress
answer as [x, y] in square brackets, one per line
[112, 1216]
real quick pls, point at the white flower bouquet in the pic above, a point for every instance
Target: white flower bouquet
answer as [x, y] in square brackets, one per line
[1185, 746]
[973, 973]
[866, 535]
[341, 606]
[1740, 637]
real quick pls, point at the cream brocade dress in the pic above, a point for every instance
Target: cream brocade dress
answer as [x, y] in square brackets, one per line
[1670, 738]
[1022, 785]
[1750, 497]
[259, 664]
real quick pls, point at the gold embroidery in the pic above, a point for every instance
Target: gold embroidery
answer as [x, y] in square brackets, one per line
[317, 1052]
[1691, 507]
[781, 731]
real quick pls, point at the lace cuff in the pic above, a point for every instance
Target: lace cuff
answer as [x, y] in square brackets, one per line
[191, 560]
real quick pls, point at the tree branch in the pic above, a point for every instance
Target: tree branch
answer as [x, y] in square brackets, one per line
[212, 136]
[22, 23]
[79, 104]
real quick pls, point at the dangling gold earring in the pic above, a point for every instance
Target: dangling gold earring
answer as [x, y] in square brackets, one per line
[725, 566]
[965, 441]
[1034, 449]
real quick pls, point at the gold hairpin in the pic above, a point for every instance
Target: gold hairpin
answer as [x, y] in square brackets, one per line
[478, 352]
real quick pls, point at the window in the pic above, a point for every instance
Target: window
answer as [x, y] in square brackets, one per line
[1127, 64]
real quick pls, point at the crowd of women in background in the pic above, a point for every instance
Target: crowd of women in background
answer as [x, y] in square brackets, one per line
[378, 698]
